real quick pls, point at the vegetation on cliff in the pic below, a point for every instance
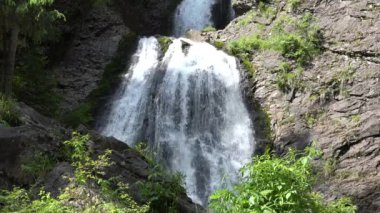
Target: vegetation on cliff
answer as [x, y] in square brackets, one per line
[272, 184]
[89, 190]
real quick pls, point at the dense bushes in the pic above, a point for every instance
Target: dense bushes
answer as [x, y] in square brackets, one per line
[273, 184]
[89, 191]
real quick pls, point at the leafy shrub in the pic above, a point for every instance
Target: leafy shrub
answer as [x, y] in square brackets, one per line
[300, 44]
[87, 192]
[8, 112]
[38, 164]
[273, 184]
[162, 189]
[80, 115]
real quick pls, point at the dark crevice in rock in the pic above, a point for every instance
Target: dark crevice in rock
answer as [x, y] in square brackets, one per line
[367, 56]
[342, 150]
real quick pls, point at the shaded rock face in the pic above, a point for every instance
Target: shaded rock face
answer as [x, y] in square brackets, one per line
[148, 17]
[340, 108]
[91, 50]
[242, 6]
[222, 13]
[18, 145]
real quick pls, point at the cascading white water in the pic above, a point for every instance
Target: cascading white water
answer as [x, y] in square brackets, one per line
[187, 106]
[202, 126]
[192, 14]
[125, 119]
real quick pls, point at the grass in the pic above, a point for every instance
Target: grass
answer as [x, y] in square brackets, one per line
[209, 28]
[38, 165]
[9, 116]
[297, 40]
[219, 44]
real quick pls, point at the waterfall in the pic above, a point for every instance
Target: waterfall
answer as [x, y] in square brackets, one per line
[125, 119]
[187, 105]
[192, 14]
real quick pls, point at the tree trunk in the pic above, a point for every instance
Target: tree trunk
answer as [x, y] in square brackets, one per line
[10, 59]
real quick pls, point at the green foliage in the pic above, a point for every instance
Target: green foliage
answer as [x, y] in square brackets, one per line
[9, 115]
[80, 115]
[164, 43]
[274, 184]
[266, 10]
[86, 167]
[209, 28]
[300, 44]
[295, 39]
[13, 201]
[247, 64]
[87, 192]
[329, 167]
[294, 4]
[312, 117]
[246, 19]
[38, 164]
[219, 44]
[34, 17]
[162, 189]
[287, 80]
[342, 78]
[34, 84]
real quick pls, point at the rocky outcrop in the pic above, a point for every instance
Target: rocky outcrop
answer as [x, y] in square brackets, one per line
[40, 135]
[92, 49]
[338, 107]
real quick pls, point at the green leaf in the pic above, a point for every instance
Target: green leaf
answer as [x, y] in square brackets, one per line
[266, 192]
[287, 196]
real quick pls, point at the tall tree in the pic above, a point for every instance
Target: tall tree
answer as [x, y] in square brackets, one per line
[31, 19]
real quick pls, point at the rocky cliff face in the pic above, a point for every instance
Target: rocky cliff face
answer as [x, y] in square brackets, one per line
[92, 37]
[339, 109]
[92, 48]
